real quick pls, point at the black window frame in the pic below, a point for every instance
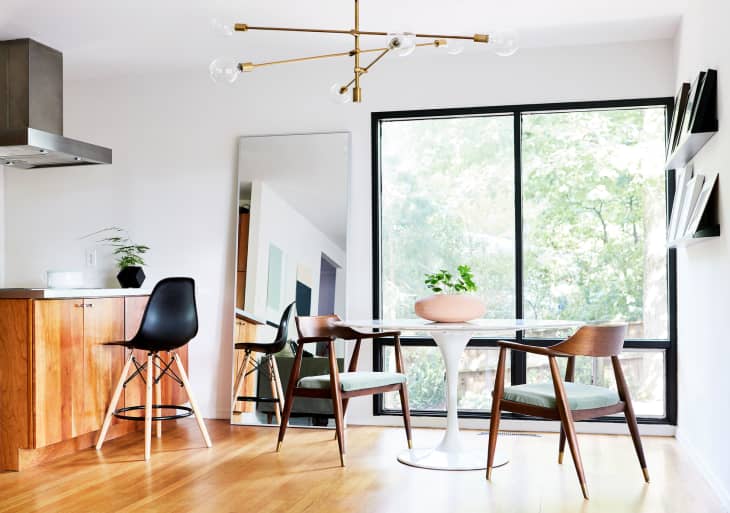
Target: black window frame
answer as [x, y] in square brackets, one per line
[518, 362]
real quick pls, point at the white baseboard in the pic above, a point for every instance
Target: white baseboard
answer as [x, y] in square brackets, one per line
[544, 426]
[721, 489]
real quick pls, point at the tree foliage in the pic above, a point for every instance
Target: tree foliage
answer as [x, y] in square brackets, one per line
[593, 203]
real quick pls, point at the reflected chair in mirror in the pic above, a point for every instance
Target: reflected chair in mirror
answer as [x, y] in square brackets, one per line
[337, 386]
[565, 400]
[267, 362]
[170, 321]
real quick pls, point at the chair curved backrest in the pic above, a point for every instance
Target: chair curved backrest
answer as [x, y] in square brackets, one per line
[321, 326]
[282, 332]
[170, 319]
[595, 340]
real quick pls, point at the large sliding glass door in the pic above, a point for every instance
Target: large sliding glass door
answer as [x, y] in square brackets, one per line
[560, 210]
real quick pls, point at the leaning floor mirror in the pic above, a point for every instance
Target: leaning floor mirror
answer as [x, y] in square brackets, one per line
[291, 245]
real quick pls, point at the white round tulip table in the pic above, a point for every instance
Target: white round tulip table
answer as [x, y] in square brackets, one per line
[452, 338]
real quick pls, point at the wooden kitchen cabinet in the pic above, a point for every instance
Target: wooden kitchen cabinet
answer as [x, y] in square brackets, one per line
[74, 372]
[57, 373]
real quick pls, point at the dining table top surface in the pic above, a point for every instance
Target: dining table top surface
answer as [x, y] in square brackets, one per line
[476, 326]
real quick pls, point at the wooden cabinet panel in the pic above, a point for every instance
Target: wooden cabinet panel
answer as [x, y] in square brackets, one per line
[58, 398]
[240, 289]
[15, 380]
[134, 393]
[103, 323]
[74, 373]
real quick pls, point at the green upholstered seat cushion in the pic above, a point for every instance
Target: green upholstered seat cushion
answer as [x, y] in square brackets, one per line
[350, 381]
[580, 397]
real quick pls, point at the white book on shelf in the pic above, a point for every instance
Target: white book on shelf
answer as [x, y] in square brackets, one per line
[699, 209]
[691, 193]
[683, 176]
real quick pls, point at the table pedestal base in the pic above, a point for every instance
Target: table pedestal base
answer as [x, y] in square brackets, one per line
[440, 459]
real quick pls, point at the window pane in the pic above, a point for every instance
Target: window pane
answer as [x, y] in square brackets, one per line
[447, 199]
[426, 378]
[594, 210]
[643, 369]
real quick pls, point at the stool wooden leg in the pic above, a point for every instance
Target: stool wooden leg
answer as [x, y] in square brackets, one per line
[148, 409]
[277, 381]
[274, 391]
[240, 376]
[158, 400]
[193, 404]
[113, 404]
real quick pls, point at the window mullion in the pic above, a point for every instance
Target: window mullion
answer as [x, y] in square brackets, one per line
[519, 360]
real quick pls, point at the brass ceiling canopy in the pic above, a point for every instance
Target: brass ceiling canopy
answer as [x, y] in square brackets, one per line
[224, 69]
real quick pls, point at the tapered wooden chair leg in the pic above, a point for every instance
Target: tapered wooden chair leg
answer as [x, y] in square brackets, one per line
[113, 404]
[337, 402]
[566, 418]
[401, 368]
[193, 404]
[406, 414]
[496, 411]
[623, 390]
[289, 399]
[148, 409]
[561, 446]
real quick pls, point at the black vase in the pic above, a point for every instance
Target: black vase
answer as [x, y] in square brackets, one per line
[131, 277]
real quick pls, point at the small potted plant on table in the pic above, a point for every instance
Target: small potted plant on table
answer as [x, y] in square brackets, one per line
[451, 301]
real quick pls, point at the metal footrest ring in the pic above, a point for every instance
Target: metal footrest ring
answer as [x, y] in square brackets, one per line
[186, 412]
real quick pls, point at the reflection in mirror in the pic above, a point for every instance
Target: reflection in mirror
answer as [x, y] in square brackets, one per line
[291, 246]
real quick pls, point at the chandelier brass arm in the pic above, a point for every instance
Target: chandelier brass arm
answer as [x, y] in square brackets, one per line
[243, 27]
[250, 66]
[227, 70]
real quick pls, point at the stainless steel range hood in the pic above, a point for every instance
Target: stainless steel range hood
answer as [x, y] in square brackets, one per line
[31, 111]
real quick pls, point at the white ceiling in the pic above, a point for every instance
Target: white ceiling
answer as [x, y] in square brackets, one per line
[102, 38]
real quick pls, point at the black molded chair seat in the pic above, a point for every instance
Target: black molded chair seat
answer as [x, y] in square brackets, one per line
[282, 334]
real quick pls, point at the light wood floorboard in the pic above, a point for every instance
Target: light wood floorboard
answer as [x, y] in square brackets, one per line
[242, 473]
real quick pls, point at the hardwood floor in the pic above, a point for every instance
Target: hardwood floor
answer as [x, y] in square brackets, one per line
[242, 473]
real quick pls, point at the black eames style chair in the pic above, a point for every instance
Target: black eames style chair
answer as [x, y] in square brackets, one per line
[267, 362]
[170, 321]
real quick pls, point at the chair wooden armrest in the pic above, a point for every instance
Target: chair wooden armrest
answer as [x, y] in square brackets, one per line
[546, 351]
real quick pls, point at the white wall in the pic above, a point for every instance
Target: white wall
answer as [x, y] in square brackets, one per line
[274, 221]
[703, 273]
[173, 181]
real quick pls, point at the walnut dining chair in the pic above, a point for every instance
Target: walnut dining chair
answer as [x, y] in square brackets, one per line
[337, 386]
[566, 400]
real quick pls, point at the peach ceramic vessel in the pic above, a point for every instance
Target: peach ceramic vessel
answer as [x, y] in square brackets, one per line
[450, 308]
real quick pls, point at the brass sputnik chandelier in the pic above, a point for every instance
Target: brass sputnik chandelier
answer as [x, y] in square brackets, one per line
[224, 69]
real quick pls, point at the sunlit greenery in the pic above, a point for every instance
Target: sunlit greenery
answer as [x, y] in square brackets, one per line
[593, 219]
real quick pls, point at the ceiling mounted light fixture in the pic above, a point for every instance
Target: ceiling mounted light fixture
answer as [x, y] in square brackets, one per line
[227, 70]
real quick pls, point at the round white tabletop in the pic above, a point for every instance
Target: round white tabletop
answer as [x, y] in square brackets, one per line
[452, 338]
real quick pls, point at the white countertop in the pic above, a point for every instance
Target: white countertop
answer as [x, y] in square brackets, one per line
[69, 293]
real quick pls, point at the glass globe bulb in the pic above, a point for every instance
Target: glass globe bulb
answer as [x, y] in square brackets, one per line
[224, 70]
[220, 28]
[454, 46]
[402, 44]
[338, 95]
[505, 42]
